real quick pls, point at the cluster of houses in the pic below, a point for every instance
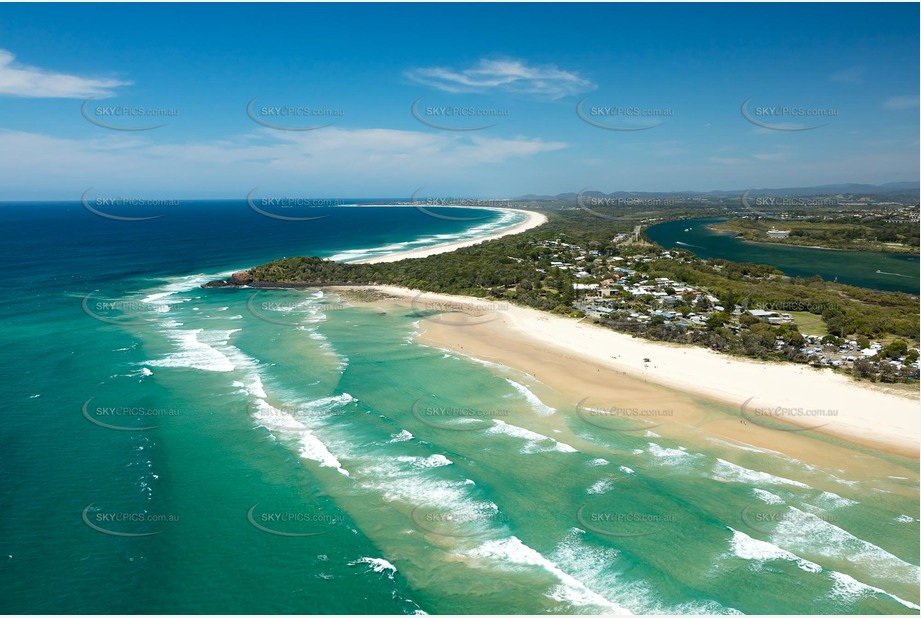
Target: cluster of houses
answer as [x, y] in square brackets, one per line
[848, 353]
[622, 296]
[652, 297]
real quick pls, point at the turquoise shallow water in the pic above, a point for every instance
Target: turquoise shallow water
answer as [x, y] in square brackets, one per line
[282, 452]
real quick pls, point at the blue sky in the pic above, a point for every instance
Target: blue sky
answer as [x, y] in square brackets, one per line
[679, 73]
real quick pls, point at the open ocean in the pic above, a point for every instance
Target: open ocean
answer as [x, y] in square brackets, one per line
[171, 449]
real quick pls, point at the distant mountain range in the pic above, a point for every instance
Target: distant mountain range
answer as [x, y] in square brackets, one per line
[850, 189]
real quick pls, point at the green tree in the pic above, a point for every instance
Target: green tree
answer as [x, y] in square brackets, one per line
[717, 319]
[896, 349]
[747, 319]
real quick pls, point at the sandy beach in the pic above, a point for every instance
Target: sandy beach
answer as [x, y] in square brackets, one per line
[533, 219]
[606, 369]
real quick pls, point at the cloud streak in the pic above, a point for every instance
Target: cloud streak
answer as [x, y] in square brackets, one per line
[510, 75]
[904, 102]
[852, 76]
[333, 159]
[19, 80]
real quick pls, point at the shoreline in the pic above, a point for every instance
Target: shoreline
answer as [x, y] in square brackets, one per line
[532, 220]
[578, 358]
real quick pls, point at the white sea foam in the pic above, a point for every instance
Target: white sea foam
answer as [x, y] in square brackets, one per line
[731, 473]
[830, 500]
[403, 436]
[432, 461]
[844, 481]
[625, 469]
[849, 590]
[537, 443]
[325, 404]
[195, 352]
[311, 447]
[807, 532]
[402, 479]
[748, 548]
[598, 569]
[162, 293]
[506, 218]
[600, 486]
[672, 456]
[536, 404]
[766, 496]
[512, 552]
[377, 565]
[599, 462]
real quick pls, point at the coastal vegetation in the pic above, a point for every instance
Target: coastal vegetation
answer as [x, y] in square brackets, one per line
[584, 266]
[860, 232]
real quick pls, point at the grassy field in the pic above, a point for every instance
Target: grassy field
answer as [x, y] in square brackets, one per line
[809, 323]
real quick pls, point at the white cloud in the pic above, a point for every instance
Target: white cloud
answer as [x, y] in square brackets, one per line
[25, 81]
[333, 160]
[903, 102]
[504, 75]
[851, 75]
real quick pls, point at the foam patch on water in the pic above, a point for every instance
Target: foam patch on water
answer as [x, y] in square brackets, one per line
[731, 473]
[432, 461]
[402, 479]
[194, 352]
[600, 487]
[597, 567]
[806, 532]
[163, 294]
[324, 405]
[376, 565]
[506, 218]
[403, 436]
[766, 496]
[671, 456]
[536, 404]
[599, 462]
[311, 447]
[844, 481]
[748, 548]
[828, 500]
[511, 551]
[537, 443]
[849, 590]
[274, 419]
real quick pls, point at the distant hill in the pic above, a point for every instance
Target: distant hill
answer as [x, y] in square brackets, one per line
[834, 189]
